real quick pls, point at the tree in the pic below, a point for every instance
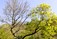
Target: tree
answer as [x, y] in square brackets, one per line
[43, 20]
[42, 17]
[15, 14]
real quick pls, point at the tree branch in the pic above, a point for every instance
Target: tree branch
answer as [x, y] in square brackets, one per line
[36, 30]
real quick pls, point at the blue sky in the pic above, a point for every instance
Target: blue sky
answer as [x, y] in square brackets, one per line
[52, 3]
[33, 3]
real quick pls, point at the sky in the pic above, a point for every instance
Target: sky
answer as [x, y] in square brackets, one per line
[32, 4]
[52, 3]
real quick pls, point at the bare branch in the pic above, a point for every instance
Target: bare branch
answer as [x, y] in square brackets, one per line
[22, 22]
[14, 11]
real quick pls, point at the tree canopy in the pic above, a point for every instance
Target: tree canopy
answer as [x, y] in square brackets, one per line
[43, 25]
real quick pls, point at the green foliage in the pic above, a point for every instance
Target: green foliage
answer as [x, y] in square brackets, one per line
[47, 21]
[5, 32]
[43, 18]
[46, 31]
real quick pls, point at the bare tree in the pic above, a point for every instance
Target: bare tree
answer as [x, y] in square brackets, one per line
[15, 12]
